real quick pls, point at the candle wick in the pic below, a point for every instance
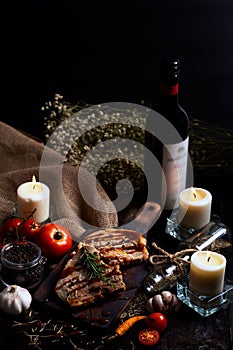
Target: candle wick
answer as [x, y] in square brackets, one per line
[34, 186]
[208, 259]
[194, 195]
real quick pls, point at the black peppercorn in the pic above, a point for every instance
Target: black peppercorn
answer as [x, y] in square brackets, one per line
[22, 264]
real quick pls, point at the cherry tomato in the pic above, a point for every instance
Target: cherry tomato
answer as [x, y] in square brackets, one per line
[29, 228]
[157, 321]
[8, 232]
[54, 241]
[149, 336]
[11, 224]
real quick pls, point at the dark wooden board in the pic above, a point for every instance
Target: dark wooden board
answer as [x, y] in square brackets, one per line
[102, 315]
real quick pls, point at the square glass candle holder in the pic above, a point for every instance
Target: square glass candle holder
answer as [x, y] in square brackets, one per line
[214, 236]
[182, 233]
[178, 231]
[204, 305]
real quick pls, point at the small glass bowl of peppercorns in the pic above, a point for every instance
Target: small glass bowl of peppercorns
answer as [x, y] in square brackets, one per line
[22, 264]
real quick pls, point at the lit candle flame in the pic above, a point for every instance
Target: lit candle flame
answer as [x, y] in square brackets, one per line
[34, 182]
[194, 193]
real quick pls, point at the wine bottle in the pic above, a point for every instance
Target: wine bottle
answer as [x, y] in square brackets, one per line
[171, 150]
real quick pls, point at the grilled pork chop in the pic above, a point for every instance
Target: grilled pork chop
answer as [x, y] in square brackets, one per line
[126, 246]
[113, 248]
[77, 289]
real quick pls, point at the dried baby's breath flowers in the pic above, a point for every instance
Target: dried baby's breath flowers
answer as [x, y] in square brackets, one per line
[118, 161]
[211, 147]
[58, 110]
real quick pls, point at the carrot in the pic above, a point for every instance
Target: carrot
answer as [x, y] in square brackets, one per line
[126, 325]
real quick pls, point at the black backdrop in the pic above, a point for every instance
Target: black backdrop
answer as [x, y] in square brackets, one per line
[102, 51]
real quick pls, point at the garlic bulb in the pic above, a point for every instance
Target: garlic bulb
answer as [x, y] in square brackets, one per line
[164, 302]
[15, 299]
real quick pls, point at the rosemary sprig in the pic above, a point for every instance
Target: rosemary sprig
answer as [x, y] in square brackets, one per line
[93, 265]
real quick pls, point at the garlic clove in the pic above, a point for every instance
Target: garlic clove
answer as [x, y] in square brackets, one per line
[175, 304]
[149, 305]
[167, 297]
[158, 303]
[164, 302]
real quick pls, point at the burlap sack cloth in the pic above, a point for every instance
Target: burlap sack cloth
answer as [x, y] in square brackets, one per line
[22, 156]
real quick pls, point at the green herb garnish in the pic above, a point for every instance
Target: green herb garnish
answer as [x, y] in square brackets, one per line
[93, 265]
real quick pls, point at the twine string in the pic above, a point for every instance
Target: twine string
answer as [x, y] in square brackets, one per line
[166, 257]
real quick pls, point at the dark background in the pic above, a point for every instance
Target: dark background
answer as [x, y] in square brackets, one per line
[103, 51]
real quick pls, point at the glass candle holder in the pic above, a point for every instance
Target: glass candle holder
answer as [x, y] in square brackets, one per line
[215, 236]
[204, 305]
[22, 264]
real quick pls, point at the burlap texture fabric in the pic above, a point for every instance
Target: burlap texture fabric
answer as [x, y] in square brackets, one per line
[22, 156]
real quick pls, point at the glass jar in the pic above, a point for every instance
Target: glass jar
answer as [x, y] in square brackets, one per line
[164, 276]
[22, 264]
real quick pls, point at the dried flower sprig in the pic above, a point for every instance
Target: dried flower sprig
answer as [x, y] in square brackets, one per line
[211, 147]
[58, 110]
[113, 170]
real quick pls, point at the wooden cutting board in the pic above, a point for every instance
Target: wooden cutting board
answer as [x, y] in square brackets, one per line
[102, 315]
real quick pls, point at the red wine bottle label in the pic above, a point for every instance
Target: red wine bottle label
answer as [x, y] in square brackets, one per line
[166, 90]
[175, 157]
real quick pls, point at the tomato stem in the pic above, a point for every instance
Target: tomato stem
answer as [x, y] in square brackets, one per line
[57, 235]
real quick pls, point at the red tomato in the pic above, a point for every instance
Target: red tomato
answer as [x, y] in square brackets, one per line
[149, 336]
[157, 321]
[54, 241]
[9, 230]
[29, 228]
[11, 224]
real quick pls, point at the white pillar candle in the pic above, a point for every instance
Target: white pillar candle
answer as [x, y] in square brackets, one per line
[194, 207]
[207, 272]
[33, 196]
